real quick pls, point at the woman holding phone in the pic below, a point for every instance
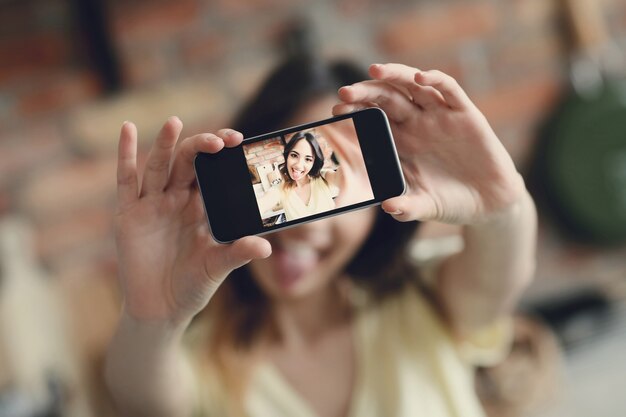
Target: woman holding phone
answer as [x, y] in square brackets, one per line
[330, 318]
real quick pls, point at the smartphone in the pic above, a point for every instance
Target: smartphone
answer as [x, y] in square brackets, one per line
[299, 174]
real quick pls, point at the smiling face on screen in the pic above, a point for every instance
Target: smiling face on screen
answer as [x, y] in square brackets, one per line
[300, 160]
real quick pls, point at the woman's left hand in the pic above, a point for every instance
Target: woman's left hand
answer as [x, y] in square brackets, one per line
[456, 168]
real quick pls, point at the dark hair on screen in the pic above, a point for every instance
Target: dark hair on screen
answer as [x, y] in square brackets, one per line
[318, 156]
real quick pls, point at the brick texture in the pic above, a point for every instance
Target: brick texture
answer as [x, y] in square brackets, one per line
[534, 13]
[58, 91]
[54, 193]
[436, 26]
[25, 150]
[152, 21]
[266, 152]
[29, 54]
[527, 100]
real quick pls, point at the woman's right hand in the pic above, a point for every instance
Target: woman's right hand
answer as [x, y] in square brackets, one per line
[169, 265]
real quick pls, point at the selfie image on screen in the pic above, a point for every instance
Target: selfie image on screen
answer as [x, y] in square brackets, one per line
[299, 175]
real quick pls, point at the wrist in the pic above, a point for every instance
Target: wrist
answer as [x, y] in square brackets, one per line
[509, 215]
[508, 201]
[144, 369]
[158, 331]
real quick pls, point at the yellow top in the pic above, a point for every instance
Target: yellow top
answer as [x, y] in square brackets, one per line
[407, 366]
[321, 200]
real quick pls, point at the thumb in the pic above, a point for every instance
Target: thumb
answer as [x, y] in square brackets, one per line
[410, 207]
[234, 255]
[245, 249]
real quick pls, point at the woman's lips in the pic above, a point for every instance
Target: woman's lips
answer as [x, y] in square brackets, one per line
[292, 262]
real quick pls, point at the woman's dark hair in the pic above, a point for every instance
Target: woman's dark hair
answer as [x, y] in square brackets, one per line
[296, 82]
[318, 156]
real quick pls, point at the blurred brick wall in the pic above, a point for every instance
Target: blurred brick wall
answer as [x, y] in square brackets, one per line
[266, 152]
[199, 59]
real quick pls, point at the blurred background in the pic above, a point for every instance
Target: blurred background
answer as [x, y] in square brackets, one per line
[547, 74]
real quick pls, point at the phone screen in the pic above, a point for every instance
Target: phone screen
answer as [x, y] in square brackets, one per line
[299, 174]
[292, 174]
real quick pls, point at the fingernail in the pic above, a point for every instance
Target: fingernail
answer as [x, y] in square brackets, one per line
[395, 213]
[377, 68]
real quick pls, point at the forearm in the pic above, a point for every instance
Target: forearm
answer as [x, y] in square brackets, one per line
[146, 372]
[486, 279]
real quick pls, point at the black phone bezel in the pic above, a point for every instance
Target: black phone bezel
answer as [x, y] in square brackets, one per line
[236, 214]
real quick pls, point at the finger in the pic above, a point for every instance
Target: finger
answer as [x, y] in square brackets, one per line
[397, 74]
[446, 85]
[230, 137]
[410, 207]
[182, 174]
[396, 103]
[426, 97]
[250, 247]
[157, 169]
[228, 257]
[127, 184]
[344, 108]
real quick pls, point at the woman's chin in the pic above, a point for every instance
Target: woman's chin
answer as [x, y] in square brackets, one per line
[290, 273]
[290, 288]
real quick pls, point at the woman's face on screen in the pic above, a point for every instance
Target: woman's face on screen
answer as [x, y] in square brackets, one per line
[307, 258]
[300, 160]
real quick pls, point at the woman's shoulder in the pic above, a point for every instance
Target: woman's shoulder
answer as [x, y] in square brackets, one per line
[411, 320]
[320, 179]
[409, 304]
[405, 308]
